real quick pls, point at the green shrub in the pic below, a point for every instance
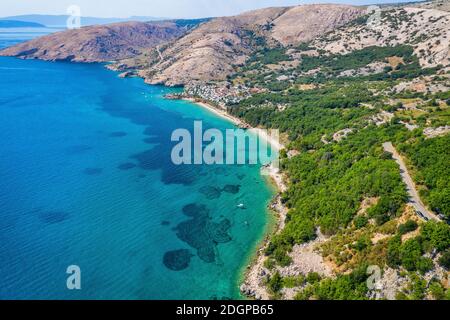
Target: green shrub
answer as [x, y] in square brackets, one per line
[360, 221]
[313, 277]
[444, 260]
[275, 283]
[294, 281]
[407, 227]
[437, 235]
[437, 291]
[393, 252]
[410, 254]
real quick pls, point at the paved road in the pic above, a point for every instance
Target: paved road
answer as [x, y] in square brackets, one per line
[414, 198]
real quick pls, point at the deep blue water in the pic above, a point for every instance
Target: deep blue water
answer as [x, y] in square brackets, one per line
[86, 179]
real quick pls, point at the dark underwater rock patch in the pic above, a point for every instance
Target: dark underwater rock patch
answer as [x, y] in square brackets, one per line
[158, 132]
[201, 233]
[171, 173]
[126, 166]
[78, 149]
[211, 192]
[92, 171]
[177, 260]
[220, 170]
[151, 140]
[231, 188]
[117, 134]
[219, 231]
[53, 217]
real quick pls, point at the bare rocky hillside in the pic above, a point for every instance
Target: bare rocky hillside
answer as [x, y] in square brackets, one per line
[97, 43]
[212, 51]
[427, 30]
[443, 5]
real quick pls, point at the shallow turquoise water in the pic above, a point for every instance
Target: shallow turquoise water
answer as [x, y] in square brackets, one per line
[86, 179]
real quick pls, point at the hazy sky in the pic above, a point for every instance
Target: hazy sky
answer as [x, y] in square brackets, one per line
[155, 8]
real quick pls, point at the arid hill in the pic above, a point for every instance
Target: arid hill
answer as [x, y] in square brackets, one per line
[213, 50]
[426, 30]
[159, 53]
[98, 43]
[443, 5]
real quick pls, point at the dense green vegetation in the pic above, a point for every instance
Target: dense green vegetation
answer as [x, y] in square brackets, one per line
[190, 23]
[444, 260]
[329, 185]
[344, 287]
[407, 227]
[431, 158]
[333, 65]
[309, 114]
[265, 56]
[310, 102]
[356, 59]
[329, 181]
[328, 67]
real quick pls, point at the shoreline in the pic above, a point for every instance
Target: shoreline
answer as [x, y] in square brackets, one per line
[251, 284]
[276, 145]
[252, 274]
[220, 112]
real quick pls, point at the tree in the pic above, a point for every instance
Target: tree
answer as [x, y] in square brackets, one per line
[313, 277]
[437, 234]
[407, 227]
[444, 260]
[410, 254]
[437, 291]
[360, 221]
[275, 282]
[393, 251]
[424, 264]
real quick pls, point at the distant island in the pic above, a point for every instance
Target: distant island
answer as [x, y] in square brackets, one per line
[60, 20]
[19, 24]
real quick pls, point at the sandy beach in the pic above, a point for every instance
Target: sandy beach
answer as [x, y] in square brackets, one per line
[220, 112]
[262, 133]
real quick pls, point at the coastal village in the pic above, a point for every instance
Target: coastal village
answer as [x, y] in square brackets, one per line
[218, 94]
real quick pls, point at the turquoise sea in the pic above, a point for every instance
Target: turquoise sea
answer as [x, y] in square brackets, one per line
[86, 179]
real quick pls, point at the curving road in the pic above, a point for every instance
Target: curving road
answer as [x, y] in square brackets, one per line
[414, 198]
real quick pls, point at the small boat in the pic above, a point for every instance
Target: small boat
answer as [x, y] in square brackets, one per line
[241, 206]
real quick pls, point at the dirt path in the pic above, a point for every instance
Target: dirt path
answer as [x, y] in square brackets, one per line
[161, 59]
[414, 198]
